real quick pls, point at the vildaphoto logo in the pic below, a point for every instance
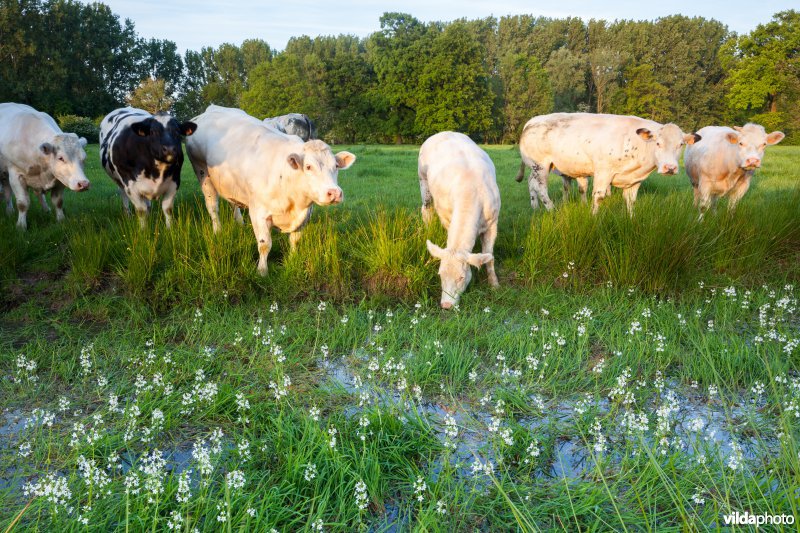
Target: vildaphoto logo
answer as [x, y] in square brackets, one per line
[748, 519]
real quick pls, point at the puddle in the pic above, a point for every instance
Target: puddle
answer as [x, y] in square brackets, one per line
[571, 459]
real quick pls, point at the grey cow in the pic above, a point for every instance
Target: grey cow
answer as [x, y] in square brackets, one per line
[294, 124]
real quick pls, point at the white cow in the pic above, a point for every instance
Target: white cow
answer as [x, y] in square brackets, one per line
[617, 150]
[724, 162]
[36, 154]
[459, 179]
[277, 177]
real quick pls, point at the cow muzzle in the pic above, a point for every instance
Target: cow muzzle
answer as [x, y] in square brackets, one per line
[79, 185]
[668, 169]
[752, 163]
[334, 195]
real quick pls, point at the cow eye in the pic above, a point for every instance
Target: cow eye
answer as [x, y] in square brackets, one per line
[308, 167]
[61, 158]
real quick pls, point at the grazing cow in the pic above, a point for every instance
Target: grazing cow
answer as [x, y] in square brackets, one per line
[459, 179]
[617, 150]
[724, 163]
[276, 176]
[36, 154]
[294, 124]
[142, 153]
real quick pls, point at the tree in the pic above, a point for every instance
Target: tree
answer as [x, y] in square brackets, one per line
[526, 92]
[453, 91]
[645, 96]
[768, 64]
[604, 66]
[567, 71]
[151, 95]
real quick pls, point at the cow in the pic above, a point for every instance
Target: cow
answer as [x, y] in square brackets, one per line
[276, 176]
[294, 124]
[724, 162]
[36, 154]
[616, 150]
[142, 153]
[459, 179]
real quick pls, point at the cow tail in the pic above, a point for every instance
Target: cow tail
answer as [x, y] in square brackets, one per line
[521, 173]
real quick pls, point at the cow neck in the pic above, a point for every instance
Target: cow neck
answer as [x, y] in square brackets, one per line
[463, 229]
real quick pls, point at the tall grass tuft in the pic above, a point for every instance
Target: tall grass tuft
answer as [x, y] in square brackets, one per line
[390, 247]
[664, 248]
[317, 264]
[90, 252]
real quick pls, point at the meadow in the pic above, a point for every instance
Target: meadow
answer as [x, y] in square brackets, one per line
[629, 373]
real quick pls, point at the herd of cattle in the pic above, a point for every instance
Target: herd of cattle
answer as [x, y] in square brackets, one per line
[278, 170]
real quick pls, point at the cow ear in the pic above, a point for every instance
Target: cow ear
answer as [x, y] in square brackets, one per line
[691, 138]
[435, 251]
[142, 129]
[644, 133]
[732, 137]
[83, 142]
[344, 160]
[295, 161]
[775, 137]
[47, 148]
[477, 260]
[187, 128]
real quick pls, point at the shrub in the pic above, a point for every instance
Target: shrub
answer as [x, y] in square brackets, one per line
[81, 126]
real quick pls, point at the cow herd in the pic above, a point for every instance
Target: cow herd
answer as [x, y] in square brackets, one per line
[278, 169]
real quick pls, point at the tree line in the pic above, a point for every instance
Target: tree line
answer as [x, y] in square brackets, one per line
[410, 79]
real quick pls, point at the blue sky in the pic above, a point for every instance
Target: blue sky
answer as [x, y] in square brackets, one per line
[193, 24]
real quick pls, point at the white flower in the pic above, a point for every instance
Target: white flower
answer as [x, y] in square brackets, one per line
[314, 413]
[311, 472]
[362, 499]
[441, 507]
[419, 489]
[52, 488]
[235, 480]
[183, 494]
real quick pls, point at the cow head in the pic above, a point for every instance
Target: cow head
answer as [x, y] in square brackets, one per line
[319, 169]
[666, 142]
[454, 271]
[750, 141]
[162, 135]
[64, 156]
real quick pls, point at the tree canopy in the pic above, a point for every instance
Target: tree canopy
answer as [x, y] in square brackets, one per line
[410, 79]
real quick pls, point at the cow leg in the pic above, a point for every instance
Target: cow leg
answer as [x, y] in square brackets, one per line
[737, 192]
[21, 196]
[212, 203]
[168, 201]
[427, 198]
[583, 187]
[57, 197]
[487, 247]
[702, 198]
[566, 183]
[602, 187]
[237, 215]
[537, 184]
[126, 203]
[294, 238]
[262, 226]
[630, 196]
[7, 195]
[43, 201]
[140, 205]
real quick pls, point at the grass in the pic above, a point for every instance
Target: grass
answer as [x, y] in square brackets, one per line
[625, 371]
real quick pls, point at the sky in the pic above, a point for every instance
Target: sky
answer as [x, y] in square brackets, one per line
[193, 24]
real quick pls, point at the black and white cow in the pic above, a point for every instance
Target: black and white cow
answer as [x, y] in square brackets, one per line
[142, 153]
[294, 124]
